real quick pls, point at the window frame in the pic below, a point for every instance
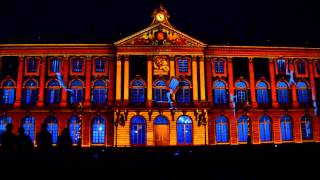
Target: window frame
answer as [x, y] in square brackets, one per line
[71, 69]
[213, 64]
[106, 66]
[296, 64]
[49, 65]
[26, 61]
[188, 73]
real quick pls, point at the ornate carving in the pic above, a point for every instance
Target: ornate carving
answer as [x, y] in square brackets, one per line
[161, 65]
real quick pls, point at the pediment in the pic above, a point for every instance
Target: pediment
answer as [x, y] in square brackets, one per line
[159, 35]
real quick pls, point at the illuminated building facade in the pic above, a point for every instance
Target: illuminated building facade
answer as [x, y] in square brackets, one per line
[117, 93]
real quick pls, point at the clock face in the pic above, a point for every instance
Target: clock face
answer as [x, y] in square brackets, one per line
[160, 17]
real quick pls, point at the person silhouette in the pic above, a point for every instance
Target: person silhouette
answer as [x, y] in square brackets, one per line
[64, 143]
[290, 73]
[44, 139]
[24, 142]
[9, 139]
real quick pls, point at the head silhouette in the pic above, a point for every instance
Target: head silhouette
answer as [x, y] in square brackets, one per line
[9, 127]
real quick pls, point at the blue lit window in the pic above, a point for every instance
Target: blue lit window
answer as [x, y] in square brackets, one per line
[100, 65]
[4, 120]
[32, 65]
[222, 132]
[241, 92]
[286, 128]
[99, 92]
[281, 63]
[243, 128]
[138, 131]
[265, 129]
[77, 92]
[74, 129]
[183, 94]
[219, 67]
[283, 93]
[53, 92]
[28, 124]
[183, 65]
[161, 120]
[137, 92]
[262, 93]
[77, 65]
[8, 92]
[184, 130]
[302, 90]
[55, 65]
[30, 93]
[306, 127]
[160, 91]
[219, 92]
[52, 127]
[301, 68]
[98, 130]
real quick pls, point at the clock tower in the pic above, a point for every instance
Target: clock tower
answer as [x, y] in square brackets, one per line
[160, 15]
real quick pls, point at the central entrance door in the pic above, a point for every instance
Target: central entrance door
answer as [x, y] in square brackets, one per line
[161, 131]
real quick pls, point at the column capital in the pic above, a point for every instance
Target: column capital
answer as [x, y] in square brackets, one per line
[201, 58]
[229, 59]
[271, 60]
[126, 57]
[250, 60]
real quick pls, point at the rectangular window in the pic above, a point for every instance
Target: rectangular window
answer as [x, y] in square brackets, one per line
[301, 68]
[281, 63]
[55, 65]
[77, 65]
[183, 65]
[32, 65]
[219, 67]
[318, 68]
[100, 65]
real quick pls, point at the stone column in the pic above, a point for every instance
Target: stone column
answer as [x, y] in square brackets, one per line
[149, 82]
[202, 79]
[273, 84]
[118, 81]
[17, 103]
[209, 81]
[88, 67]
[252, 84]
[43, 69]
[126, 81]
[111, 83]
[65, 76]
[230, 79]
[195, 79]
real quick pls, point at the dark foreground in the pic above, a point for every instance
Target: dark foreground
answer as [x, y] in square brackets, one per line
[290, 161]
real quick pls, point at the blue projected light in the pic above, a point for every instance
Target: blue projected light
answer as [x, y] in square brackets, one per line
[52, 126]
[265, 128]
[74, 128]
[243, 128]
[98, 130]
[184, 130]
[220, 93]
[222, 129]
[283, 93]
[28, 124]
[286, 128]
[138, 131]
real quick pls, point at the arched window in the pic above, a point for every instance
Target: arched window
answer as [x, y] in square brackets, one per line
[4, 120]
[77, 92]
[99, 92]
[302, 90]
[241, 92]
[243, 128]
[53, 92]
[52, 126]
[55, 65]
[184, 130]
[222, 132]
[137, 92]
[306, 127]
[219, 92]
[160, 91]
[286, 128]
[8, 92]
[138, 131]
[28, 124]
[265, 128]
[161, 120]
[30, 93]
[301, 67]
[262, 93]
[98, 130]
[74, 129]
[183, 94]
[283, 92]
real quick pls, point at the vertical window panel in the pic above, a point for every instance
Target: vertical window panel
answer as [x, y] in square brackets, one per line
[243, 128]
[283, 93]
[74, 129]
[265, 129]
[306, 127]
[138, 131]
[137, 94]
[286, 128]
[28, 123]
[219, 92]
[98, 130]
[52, 127]
[262, 93]
[183, 94]
[184, 130]
[222, 132]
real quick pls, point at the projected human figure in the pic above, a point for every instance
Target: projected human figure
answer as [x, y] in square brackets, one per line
[169, 93]
[233, 99]
[315, 108]
[63, 85]
[172, 86]
[290, 72]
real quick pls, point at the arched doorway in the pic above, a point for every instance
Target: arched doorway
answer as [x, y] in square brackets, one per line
[184, 130]
[161, 131]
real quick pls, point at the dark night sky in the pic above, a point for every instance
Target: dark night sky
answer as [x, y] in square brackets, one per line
[234, 22]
